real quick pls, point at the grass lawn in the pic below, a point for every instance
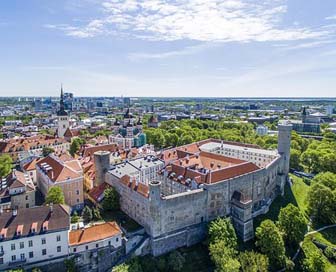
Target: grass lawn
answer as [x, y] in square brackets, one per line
[300, 191]
[122, 219]
[327, 237]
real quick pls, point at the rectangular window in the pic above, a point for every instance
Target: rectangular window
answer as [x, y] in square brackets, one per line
[75, 249]
[21, 244]
[58, 238]
[44, 252]
[13, 258]
[59, 249]
[31, 254]
[26, 197]
[30, 243]
[27, 206]
[1, 260]
[77, 192]
[22, 256]
[12, 246]
[43, 240]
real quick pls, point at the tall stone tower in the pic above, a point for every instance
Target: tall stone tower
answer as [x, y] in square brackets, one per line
[102, 165]
[63, 118]
[284, 141]
[154, 207]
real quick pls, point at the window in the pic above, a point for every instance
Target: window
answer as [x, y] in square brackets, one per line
[58, 238]
[26, 197]
[21, 244]
[22, 256]
[59, 249]
[75, 249]
[12, 246]
[30, 243]
[77, 192]
[31, 254]
[96, 245]
[44, 252]
[109, 243]
[27, 205]
[13, 258]
[86, 247]
[117, 239]
[43, 240]
[1, 260]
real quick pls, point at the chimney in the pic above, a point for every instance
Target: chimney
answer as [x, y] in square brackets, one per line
[51, 207]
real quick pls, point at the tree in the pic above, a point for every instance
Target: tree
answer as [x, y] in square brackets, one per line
[223, 245]
[55, 195]
[292, 223]
[47, 150]
[75, 145]
[176, 261]
[96, 214]
[121, 268]
[295, 159]
[111, 199]
[5, 165]
[270, 242]
[251, 261]
[222, 230]
[87, 214]
[328, 179]
[74, 218]
[223, 257]
[314, 262]
[321, 203]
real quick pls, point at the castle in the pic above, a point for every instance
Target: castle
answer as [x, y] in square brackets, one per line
[174, 195]
[128, 133]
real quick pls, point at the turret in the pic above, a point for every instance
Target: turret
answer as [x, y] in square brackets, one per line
[284, 141]
[102, 165]
[155, 207]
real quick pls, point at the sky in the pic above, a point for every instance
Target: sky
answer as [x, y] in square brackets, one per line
[178, 48]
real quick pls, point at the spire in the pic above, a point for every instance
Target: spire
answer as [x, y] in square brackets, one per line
[62, 111]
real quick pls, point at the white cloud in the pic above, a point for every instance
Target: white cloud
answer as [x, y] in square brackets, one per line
[198, 20]
[333, 17]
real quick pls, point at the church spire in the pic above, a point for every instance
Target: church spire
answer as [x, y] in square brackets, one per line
[62, 111]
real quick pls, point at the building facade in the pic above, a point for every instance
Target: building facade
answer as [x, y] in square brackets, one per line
[64, 172]
[32, 235]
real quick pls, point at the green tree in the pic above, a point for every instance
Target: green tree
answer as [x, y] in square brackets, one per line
[295, 159]
[121, 268]
[270, 242]
[75, 218]
[223, 257]
[327, 179]
[55, 195]
[111, 199]
[5, 165]
[96, 214]
[292, 223]
[75, 145]
[251, 261]
[321, 203]
[314, 262]
[175, 261]
[70, 265]
[87, 214]
[47, 150]
[221, 229]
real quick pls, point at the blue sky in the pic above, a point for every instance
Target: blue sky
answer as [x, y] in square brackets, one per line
[218, 48]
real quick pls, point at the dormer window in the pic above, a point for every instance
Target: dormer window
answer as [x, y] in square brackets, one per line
[45, 226]
[19, 230]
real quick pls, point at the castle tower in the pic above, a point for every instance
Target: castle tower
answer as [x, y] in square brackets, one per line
[102, 165]
[63, 118]
[284, 141]
[154, 207]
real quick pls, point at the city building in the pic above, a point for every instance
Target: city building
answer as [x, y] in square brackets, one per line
[261, 130]
[128, 133]
[17, 191]
[24, 147]
[65, 172]
[30, 236]
[194, 184]
[153, 122]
